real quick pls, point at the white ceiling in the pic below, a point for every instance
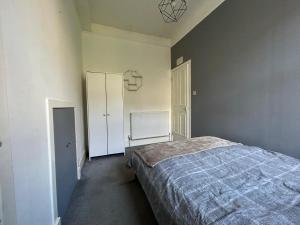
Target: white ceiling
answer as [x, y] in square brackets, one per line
[142, 16]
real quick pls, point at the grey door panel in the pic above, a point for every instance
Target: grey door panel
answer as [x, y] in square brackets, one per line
[65, 156]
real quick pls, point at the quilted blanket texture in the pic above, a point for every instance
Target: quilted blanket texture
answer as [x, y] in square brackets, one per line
[232, 185]
[156, 153]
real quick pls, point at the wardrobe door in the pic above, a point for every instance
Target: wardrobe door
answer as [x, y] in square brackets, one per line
[97, 126]
[114, 87]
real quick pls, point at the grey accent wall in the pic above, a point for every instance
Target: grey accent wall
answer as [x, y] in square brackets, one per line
[246, 68]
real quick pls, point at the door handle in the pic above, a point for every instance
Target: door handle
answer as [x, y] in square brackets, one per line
[104, 115]
[108, 114]
[68, 145]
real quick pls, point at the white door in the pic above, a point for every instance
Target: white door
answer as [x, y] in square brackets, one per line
[7, 196]
[114, 87]
[97, 127]
[181, 98]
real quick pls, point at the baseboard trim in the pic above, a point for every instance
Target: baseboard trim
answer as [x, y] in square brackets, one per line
[81, 164]
[58, 221]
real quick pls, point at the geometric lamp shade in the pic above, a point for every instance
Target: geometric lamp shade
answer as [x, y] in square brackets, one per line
[172, 10]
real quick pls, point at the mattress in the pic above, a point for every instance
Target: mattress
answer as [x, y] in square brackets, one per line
[233, 185]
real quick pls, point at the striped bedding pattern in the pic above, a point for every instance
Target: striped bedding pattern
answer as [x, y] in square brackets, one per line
[233, 185]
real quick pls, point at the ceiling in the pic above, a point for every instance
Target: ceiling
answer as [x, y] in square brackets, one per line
[142, 16]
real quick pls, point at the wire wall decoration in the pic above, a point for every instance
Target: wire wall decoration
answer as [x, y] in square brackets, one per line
[133, 81]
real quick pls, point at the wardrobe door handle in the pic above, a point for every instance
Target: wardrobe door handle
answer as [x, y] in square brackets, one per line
[108, 114]
[104, 115]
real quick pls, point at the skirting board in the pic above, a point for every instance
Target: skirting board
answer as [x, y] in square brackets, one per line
[81, 164]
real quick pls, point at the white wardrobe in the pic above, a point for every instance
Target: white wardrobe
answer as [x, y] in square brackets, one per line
[105, 113]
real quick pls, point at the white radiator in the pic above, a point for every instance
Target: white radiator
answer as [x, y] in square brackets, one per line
[148, 125]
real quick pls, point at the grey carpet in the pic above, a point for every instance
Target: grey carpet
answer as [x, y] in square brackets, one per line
[108, 194]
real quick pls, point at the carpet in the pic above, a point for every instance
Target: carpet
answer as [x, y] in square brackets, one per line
[108, 194]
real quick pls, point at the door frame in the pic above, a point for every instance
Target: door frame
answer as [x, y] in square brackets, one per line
[50, 105]
[188, 64]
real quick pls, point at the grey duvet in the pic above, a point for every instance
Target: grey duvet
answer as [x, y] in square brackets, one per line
[233, 185]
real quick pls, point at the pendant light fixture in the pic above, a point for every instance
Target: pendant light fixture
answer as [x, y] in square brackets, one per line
[172, 10]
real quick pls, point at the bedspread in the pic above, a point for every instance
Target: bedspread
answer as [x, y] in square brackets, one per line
[155, 153]
[233, 185]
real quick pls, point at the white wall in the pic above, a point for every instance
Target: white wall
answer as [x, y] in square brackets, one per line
[117, 52]
[7, 193]
[42, 53]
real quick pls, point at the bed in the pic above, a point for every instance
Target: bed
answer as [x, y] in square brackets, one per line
[231, 184]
